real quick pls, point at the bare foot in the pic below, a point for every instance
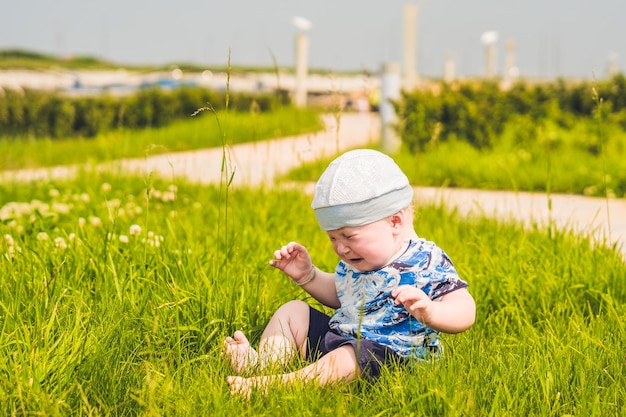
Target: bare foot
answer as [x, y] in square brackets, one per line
[239, 386]
[244, 386]
[238, 351]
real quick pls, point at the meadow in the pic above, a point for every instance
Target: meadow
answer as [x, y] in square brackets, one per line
[116, 293]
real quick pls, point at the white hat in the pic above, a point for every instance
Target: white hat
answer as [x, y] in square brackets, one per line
[358, 188]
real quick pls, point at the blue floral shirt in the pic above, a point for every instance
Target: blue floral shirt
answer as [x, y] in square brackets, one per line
[368, 311]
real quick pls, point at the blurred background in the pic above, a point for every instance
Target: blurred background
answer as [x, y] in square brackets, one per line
[541, 39]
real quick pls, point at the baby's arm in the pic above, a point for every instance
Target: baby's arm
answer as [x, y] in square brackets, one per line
[452, 313]
[294, 260]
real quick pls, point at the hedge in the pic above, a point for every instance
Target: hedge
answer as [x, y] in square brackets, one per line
[477, 112]
[38, 114]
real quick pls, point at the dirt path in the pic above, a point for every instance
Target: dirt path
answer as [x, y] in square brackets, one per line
[602, 219]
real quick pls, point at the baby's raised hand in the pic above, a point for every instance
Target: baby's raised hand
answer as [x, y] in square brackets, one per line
[294, 260]
[415, 301]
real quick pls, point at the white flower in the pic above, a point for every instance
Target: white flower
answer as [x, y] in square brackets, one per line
[54, 193]
[135, 230]
[81, 222]
[59, 242]
[60, 208]
[9, 240]
[168, 197]
[106, 187]
[95, 221]
[42, 236]
[123, 238]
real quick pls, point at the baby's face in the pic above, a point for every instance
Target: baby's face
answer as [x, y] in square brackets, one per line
[367, 247]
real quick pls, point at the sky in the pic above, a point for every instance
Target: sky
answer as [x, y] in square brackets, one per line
[553, 38]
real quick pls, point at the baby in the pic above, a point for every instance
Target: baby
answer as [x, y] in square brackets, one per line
[392, 291]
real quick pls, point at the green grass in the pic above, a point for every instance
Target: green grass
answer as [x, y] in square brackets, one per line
[201, 131]
[93, 323]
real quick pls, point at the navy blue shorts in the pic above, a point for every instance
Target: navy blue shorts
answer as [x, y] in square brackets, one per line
[370, 355]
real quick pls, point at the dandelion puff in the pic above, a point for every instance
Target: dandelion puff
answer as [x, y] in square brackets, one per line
[123, 239]
[135, 230]
[61, 208]
[60, 243]
[9, 240]
[168, 197]
[95, 221]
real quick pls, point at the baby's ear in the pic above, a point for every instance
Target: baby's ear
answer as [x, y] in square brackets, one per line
[397, 220]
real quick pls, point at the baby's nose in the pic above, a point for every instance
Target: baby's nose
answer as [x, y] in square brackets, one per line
[341, 248]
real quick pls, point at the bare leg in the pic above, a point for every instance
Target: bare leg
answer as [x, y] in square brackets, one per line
[338, 365]
[283, 336]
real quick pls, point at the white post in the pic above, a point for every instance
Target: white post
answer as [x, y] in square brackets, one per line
[410, 13]
[389, 90]
[511, 72]
[302, 57]
[489, 39]
[449, 68]
[302, 46]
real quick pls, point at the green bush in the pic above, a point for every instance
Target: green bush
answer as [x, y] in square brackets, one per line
[478, 112]
[54, 115]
